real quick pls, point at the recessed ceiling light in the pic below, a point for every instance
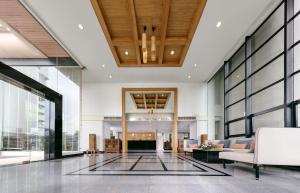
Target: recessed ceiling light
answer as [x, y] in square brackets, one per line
[110, 76]
[219, 24]
[189, 76]
[7, 29]
[195, 65]
[126, 53]
[103, 65]
[0, 25]
[80, 26]
[238, 76]
[172, 52]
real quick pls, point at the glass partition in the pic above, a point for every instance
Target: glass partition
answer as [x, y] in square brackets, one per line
[65, 80]
[215, 100]
[24, 120]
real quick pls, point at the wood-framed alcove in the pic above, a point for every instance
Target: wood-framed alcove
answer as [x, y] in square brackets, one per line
[175, 115]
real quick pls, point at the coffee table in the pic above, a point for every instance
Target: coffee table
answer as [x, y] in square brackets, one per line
[207, 156]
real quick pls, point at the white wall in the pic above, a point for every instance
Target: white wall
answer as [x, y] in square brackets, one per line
[105, 99]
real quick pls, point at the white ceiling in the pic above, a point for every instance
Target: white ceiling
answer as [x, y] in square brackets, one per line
[209, 48]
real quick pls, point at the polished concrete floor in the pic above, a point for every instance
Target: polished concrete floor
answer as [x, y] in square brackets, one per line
[142, 173]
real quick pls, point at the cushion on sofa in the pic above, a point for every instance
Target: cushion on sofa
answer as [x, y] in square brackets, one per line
[220, 145]
[193, 145]
[239, 146]
[225, 142]
[244, 141]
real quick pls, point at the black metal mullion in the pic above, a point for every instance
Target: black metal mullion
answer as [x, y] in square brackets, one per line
[295, 44]
[269, 16]
[267, 64]
[226, 100]
[236, 102]
[266, 41]
[248, 88]
[267, 111]
[288, 64]
[293, 17]
[266, 87]
[232, 71]
[234, 86]
[236, 120]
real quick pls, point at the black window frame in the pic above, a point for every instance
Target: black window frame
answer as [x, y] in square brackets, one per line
[289, 105]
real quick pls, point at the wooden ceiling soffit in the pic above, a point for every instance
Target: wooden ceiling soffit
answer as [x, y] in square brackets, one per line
[122, 22]
[157, 100]
[16, 16]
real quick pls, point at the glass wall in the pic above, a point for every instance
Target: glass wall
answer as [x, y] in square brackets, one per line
[261, 87]
[296, 49]
[24, 120]
[215, 106]
[65, 78]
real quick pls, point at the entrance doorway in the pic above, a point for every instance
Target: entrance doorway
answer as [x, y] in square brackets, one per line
[144, 111]
[26, 125]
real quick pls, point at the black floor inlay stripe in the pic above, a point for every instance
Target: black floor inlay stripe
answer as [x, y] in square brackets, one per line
[137, 161]
[94, 169]
[94, 164]
[121, 166]
[206, 166]
[162, 163]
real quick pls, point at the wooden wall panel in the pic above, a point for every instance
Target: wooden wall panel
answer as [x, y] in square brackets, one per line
[15, 15]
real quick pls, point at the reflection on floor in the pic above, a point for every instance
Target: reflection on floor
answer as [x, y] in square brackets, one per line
[149, 164]
[17, 157]
[61, 176]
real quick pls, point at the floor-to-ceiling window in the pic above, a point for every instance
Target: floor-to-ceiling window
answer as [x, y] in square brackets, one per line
[296, 49]
[65, 78]
[24, 120]
[215, 91]
[262, 77]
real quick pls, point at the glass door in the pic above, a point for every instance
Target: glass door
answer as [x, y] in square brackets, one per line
[25, 121]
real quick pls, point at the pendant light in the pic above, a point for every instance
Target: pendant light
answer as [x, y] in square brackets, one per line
[153, 46]
[144, 45]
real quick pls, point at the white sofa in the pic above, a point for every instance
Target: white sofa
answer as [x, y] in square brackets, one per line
[273, 146]
[186, 144]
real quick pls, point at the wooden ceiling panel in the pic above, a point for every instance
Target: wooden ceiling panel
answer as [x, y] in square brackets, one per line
[157, 100]
[148, 13]
[180, 17]
[15, 15]
[168, 57]
[122, 22]
[116, 17]
[130, 58]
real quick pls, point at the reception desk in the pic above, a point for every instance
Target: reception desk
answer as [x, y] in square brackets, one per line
[141, 141]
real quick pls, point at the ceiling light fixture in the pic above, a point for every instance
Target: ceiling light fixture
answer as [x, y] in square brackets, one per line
[1, 25]
[144, 45]
[103, 65]
[189, 76]
[80, 26]
[153, 46]
[110, 76]
[172, 52]
[126, 53]
[219, 24]
[195, 65]
[7, 29]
